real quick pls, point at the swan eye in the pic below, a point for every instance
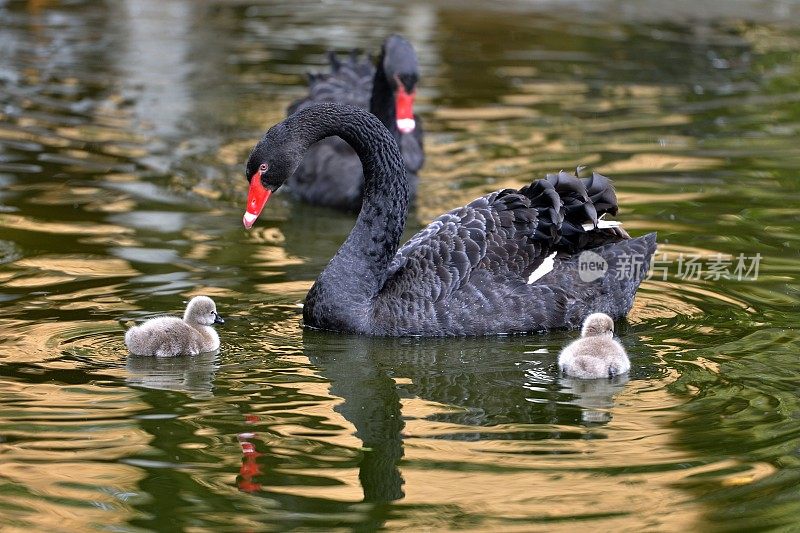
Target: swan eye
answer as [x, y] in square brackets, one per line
[263, 167]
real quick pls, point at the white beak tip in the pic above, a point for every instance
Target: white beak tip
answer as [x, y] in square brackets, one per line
[249, 219]
[406, 125]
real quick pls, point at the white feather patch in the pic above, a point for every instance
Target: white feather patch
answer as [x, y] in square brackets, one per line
[602, 224]
[546, 267]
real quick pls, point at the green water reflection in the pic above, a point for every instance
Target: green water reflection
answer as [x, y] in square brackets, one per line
[123, 129]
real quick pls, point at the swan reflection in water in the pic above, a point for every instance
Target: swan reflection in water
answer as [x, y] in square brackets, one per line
[594, 396]
[472, 389]
[193, 375]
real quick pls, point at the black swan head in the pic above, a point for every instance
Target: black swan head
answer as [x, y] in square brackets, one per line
[278, 154]
[395, 84]
[272, 161]
[597, 324]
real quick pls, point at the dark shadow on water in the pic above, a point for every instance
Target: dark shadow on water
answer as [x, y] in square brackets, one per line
[484, 382]
[371, 403]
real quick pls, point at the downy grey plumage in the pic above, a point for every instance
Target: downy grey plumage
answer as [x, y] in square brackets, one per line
[596, 354]
[169, 336]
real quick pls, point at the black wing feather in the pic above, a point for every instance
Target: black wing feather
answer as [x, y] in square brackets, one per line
[348, 82]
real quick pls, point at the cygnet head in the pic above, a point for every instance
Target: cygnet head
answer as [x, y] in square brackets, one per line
[597, 324]
[202, 310]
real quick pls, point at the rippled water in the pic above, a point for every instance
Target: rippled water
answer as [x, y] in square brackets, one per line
[123, 130]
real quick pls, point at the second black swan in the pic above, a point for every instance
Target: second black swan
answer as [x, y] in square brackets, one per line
[330, 173]
[510, 261]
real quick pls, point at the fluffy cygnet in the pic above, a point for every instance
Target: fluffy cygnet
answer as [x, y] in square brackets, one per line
[168, 336]
[597, 354]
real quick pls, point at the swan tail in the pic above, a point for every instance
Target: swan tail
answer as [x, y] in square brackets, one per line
[549, 210]
[334, 61]
[582, 204]
[349, 81]
[601, 193]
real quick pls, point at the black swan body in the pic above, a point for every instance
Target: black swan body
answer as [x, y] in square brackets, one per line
[331, 173]
[508, 262]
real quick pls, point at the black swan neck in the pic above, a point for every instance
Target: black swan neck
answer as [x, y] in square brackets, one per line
[381, 102]
[342, 294]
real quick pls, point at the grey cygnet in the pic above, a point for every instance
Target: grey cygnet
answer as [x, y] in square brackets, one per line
[597, 354]
[169, 336]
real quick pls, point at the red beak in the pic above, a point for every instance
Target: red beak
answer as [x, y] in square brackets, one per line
[404, 109]
[256, 200]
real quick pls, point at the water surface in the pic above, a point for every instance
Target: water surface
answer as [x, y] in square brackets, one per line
[123, 131]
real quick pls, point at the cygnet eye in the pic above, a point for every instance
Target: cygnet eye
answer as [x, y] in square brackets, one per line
[263, 167]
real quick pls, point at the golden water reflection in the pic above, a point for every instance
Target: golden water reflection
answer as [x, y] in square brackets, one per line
[63, 449]
[606, 474]
[118, 205]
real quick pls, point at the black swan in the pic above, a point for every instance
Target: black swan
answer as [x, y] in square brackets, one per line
[596, 354]
[331, 174]
[508, 262]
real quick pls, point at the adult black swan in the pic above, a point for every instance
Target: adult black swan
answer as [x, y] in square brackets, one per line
[330, 173]
[510, 261]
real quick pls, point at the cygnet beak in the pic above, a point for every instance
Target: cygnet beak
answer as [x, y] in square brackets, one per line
[218, 319]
